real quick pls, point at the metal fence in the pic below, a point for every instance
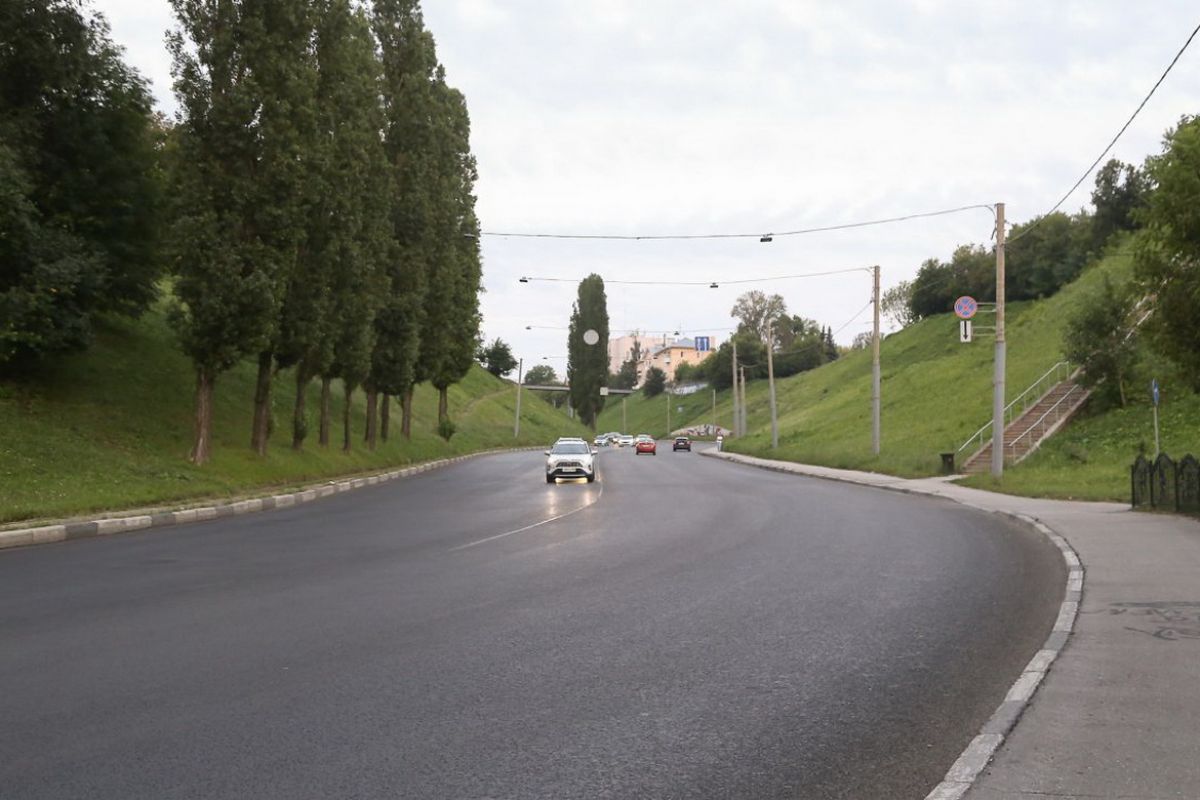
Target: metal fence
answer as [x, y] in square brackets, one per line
[1166, 484]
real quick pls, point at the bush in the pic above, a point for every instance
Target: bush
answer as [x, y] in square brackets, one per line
[446, 429]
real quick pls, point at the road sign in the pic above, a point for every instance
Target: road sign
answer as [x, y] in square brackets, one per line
[965, 307]
[1154, 391]
[604, 391]
[964, 330]
[703, 344]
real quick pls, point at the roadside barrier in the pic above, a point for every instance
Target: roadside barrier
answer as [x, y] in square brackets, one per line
[1166, 484]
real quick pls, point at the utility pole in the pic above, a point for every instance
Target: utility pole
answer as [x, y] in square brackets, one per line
[668, 411]
[714, 395]
[998, 375]
[771, 384]
[517, 422]
[624, 427]
[744, 420]
[737, 419]
[875, 392]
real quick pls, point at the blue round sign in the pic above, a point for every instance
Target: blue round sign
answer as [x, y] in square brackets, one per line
[965, 307]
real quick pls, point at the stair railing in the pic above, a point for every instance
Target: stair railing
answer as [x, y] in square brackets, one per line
[1036, 390]
[1046, 421]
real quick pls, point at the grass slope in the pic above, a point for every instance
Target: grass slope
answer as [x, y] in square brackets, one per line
[936, 393]
[111, 428]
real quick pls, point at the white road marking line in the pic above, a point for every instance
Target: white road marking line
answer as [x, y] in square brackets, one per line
[534, 525]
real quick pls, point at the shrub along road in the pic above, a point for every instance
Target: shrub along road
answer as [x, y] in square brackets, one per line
[682, 628]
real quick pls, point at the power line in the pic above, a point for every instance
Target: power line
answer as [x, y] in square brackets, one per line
[761, 236]
[710, 284]
[1104, 152]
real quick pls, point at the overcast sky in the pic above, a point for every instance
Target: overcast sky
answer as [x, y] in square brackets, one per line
[664, 117]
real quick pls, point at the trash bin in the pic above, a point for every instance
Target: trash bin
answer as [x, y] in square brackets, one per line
[720, 441]
[948, 463]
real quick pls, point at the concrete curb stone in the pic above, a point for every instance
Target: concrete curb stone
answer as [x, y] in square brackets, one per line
[104, 526]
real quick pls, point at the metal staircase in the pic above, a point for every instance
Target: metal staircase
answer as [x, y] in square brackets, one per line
[1035, 415]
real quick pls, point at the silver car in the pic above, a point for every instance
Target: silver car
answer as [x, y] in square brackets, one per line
[570, 458]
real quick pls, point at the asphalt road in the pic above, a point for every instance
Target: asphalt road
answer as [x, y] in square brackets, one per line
[682, 628]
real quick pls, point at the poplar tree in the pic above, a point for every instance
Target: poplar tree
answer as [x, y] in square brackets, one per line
[409, 62]
[587, 364]
[243, 79]
[454, 273]
[333, 295]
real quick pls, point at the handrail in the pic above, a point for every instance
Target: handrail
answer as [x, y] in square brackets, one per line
[1012, 447]
[1055, 370]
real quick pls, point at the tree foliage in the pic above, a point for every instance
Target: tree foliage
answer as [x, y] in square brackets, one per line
[541, 375]
[587, 364]
[1099, 337]
[758, 311]
[497, 358]
[656, 382]
[1120, 192]
[896, 305]
[1167, 251]
[80, 181]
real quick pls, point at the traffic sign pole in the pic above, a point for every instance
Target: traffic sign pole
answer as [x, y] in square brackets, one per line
[1154, 398]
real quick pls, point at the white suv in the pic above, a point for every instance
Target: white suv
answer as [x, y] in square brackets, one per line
[570, 458]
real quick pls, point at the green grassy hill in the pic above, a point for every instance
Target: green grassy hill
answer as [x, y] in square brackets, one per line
[649, 414]
[936, 393]
[111, 429]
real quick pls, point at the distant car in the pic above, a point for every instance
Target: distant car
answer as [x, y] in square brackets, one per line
[682, 443]
[645, 444]
[601, 440]
[570, 458]
[625, 440]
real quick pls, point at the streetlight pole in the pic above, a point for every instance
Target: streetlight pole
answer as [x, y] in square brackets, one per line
[875, 393]
[737, 419]
[517, 421]
[745, 421]
[998, 375]
[771, 385]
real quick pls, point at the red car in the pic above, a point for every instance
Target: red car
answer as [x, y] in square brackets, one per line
[645, 444]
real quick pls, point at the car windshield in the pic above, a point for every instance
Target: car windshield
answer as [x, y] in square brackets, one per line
[569, 448]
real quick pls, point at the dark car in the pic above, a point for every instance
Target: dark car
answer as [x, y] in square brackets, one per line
[682, 443]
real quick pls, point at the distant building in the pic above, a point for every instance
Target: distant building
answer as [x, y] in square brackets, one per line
[668, 356]
[620, 348]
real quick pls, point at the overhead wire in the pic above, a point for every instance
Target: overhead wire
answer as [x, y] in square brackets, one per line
[1109, 147]
[762, 235]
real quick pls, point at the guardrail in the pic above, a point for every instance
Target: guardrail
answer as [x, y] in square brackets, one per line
[1050, 378]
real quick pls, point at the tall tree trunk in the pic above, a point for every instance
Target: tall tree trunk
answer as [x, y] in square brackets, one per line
[443, 404]
[406, 403]
[326, 391]
[262, 406]
[385, 413]
[372, 415]
[349, 396]
[299, 412]
[202, 443]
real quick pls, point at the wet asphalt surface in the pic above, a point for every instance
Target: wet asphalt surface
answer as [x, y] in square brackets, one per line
[682, 628]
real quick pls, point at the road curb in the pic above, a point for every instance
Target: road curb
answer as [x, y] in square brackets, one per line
[105, 526]
[978, 754]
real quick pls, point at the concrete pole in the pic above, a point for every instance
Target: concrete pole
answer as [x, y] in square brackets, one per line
[771, 385]
[745, 421]
[714, 396]
[875, 392]
[624, 426]
[737, 419]
[517, 422]
[668, 411]
[998, 375]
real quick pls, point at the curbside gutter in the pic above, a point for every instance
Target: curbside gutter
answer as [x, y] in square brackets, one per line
[966, 769]
[68, 531]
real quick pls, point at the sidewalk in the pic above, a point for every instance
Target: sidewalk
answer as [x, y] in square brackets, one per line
[1118, 713]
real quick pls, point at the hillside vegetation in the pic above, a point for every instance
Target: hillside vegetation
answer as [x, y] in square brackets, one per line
[937, 393]
[111, 428]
